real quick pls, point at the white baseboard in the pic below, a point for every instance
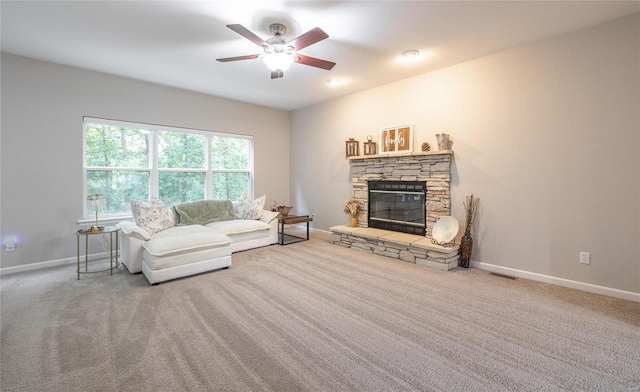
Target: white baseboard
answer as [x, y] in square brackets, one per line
[52, 263]
[302, 227]
[320, 231]
[592, 288]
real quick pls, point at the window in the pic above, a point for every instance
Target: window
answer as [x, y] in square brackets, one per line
[129, 161]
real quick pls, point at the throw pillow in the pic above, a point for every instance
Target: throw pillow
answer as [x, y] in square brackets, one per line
[153, 217]
[247, 209]
[203, 212]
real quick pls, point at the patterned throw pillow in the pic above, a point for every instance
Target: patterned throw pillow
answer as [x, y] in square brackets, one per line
[244, 208]
[152, 217]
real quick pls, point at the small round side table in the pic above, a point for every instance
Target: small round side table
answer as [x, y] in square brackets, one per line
[111, 230]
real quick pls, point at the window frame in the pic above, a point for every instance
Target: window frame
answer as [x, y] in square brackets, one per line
[153, 168]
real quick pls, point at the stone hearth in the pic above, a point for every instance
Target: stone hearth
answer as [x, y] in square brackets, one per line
[402, 246]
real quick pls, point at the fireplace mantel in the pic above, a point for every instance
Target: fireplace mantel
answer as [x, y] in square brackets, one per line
[403, 154]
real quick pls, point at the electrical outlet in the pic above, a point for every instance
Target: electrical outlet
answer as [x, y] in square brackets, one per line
[585, 258]
[10, 243]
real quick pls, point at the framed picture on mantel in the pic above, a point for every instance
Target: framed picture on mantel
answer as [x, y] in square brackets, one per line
[396, 139]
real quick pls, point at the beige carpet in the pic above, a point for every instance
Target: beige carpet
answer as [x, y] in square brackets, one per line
[312, 316]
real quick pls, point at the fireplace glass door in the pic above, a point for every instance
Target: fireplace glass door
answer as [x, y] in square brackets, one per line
[398, 206]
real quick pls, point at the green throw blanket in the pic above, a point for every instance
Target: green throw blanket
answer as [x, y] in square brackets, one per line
[202, 212]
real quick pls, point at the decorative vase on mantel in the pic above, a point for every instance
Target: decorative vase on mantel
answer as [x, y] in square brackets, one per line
[354, 221]
[443, 141]
[466, 243]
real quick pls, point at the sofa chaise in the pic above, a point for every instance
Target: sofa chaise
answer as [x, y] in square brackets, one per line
[190, 238]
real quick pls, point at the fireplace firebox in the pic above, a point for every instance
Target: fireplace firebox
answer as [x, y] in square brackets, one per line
[398, 206]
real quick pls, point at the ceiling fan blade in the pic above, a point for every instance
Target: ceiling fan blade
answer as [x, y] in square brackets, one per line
[243, 31]
[247, 57]
[277, 74]
[309, 38]
[314, 62]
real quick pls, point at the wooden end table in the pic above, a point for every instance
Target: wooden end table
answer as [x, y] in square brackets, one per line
[286, 239]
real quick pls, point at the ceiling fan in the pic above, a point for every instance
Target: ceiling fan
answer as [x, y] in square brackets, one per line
[280, 54]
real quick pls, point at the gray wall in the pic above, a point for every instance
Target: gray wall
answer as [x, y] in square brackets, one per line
[41, 161]
[547, 135]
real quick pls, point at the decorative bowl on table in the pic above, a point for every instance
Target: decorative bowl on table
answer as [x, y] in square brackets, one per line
[283, 210]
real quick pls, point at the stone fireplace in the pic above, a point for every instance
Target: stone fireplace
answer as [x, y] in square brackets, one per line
[430, 168]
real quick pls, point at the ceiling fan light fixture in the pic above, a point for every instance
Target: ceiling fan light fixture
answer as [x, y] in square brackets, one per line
[279, 53]
[278, 61]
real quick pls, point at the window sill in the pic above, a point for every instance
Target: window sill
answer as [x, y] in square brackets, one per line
[107, 221]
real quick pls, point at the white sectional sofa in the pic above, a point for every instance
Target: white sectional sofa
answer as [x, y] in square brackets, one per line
[201, 237]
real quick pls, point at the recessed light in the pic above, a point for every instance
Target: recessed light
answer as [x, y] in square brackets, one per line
[334, 82]
[410, 53]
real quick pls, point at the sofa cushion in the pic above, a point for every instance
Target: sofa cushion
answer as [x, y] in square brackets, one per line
[237, 226]
[244, 208]
[152, 217]
[169, 245]
[184, 258]
[202, 212]
[182, 230]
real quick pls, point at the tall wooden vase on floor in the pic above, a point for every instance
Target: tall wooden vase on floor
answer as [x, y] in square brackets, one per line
[466, 243]
[466, 246]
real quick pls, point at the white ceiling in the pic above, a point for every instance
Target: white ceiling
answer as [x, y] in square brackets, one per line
[175, 43]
